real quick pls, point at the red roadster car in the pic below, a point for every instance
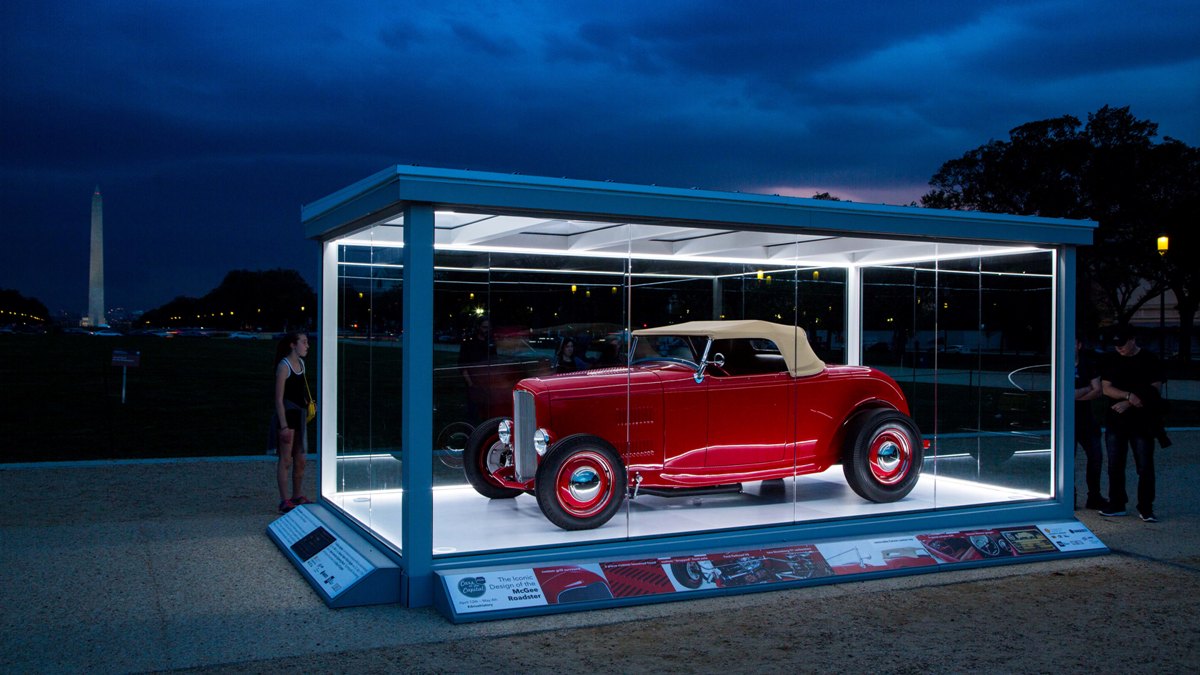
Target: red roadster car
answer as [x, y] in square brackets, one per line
[702, 406]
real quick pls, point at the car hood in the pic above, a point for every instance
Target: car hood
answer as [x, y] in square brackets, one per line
[604, 377]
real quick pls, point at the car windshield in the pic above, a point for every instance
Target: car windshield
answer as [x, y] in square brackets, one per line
[685, 348]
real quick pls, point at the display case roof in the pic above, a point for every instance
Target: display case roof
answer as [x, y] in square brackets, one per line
[489, 211]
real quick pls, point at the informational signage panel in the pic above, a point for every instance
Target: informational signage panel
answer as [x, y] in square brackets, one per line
[486, 591]
[500, 593]
[333, 560]
[126, 359]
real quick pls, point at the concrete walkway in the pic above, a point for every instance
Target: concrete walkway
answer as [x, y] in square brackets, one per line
[166, 566]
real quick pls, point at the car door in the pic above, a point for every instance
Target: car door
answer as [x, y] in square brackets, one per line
[751, 418]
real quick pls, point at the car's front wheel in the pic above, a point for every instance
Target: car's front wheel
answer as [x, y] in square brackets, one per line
[486, 460]
[883, 455]
[580, 483]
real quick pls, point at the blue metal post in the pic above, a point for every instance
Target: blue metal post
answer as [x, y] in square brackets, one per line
[1062, 382]
[417, 417]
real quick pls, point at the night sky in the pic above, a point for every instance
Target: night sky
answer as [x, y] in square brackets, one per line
[208, 124]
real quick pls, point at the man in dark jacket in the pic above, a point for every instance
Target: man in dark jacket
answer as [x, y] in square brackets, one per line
[1087, 427]
[1132, 379]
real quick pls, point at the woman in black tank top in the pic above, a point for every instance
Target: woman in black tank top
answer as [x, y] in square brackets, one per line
[290, 420]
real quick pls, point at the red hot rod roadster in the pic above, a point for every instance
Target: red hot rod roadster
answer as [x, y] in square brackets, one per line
[701, 405]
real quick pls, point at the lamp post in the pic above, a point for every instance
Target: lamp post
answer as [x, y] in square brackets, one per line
[1163, 244]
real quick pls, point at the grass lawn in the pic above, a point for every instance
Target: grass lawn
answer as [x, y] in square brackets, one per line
[61, 397]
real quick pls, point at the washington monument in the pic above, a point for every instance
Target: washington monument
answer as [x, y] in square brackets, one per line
[96, 315]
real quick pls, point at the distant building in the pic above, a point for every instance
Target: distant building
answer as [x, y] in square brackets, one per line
[1160, 308]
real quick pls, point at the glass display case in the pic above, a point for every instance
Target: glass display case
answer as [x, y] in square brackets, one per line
[597, 380]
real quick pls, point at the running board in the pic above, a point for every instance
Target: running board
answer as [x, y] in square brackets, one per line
[691, 492]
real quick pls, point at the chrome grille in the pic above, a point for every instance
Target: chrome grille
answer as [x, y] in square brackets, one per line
[524, 424]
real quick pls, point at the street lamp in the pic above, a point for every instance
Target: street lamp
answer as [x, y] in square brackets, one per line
[1163, 245]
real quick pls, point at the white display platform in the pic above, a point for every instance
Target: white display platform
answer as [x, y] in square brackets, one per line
[464, 521]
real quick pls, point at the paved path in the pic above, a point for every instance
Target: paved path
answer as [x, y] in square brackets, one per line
[166, 566]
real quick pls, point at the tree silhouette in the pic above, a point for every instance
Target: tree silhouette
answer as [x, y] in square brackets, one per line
[1110, 171]
[245, 300]
[16, 309]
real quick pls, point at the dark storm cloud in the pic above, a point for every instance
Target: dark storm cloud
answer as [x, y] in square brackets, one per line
[207, 124]
[770, 40]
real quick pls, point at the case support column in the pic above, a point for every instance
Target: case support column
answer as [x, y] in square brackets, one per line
[417, 419]
[1063, 373]
[854, 305]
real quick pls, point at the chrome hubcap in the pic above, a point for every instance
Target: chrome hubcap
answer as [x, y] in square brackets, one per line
[584, 484]
[889, 456]
[496, 457]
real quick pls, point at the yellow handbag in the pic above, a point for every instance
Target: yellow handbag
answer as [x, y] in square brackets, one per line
[312, 404]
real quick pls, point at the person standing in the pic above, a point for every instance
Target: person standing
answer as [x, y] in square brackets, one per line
[1087, 428]
[1132, 379]
[565, 360]
[290, 437]
[474, 357]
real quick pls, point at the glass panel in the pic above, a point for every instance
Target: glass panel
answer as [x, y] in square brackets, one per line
[969, 342]
[1016, 324]
[713, 426]
[501, 318]
[898, 320]
[370, 315]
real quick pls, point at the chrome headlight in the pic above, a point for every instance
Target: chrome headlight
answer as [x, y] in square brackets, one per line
[505, 431]
[541, 441]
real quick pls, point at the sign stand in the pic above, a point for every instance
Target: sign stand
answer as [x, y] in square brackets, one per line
[345, 568]
[126, 360]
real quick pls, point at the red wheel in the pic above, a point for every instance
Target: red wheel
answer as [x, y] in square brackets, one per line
[487, 462]
[883, 455]
[580, 483]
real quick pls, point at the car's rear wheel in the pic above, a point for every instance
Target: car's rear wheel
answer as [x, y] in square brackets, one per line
[883, 455]
[580, 483]
[486, 460]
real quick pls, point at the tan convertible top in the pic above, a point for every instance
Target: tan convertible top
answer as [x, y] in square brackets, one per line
[791, 340]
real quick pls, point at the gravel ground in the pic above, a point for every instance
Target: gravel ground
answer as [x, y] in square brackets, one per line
[165, 566]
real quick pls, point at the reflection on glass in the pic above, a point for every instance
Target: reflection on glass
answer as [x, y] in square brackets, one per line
[970, 341]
